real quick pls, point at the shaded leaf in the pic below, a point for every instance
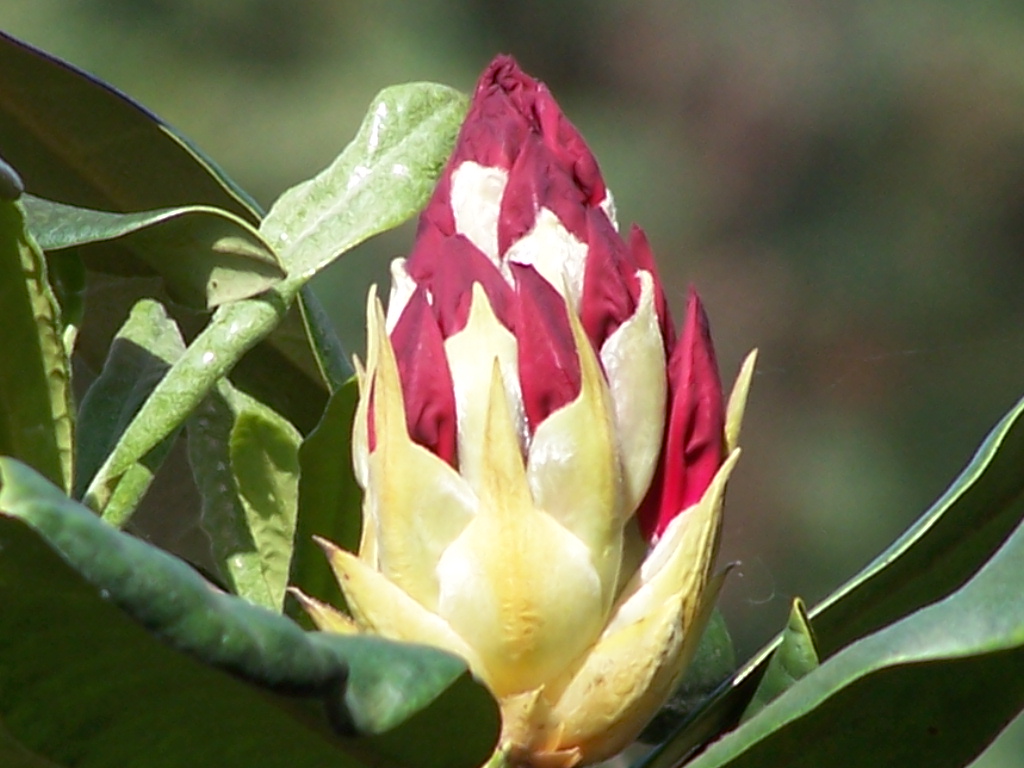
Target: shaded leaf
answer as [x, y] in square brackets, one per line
[35, 397]
[329, 499]
[59, 680]
[78, 140]
[795, 657]
[206, 255]
[244, 458]
[380, 179]
[140, 355]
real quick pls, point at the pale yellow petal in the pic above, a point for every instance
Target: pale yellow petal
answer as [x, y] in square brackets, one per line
[630, 674]
[573, 469]
[738, 402]
[381, 607]
[418, 502]
[469, 353]
[652, 634]
[516, 585]
[634, 362]
[326, 617]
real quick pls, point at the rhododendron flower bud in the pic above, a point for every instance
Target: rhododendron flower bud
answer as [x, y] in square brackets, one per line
[543, 463]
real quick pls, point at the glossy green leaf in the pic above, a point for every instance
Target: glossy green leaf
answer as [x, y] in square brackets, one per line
[381, 179]
[937, 554]
[35, 397]
[64, 682]
[206, 255]
[142, 352]
[244, 458]
[329, 499]
[931, 689]
[78, 140]
[795, 657]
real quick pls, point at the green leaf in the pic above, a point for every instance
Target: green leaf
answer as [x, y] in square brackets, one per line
[931, 689]
[35, 397]
[381, 179]
[795, 657]
[142, 352]
[206, 255]
[64, 683]
[329, 499]
[244, 458]
[936, 555]
[57, 124]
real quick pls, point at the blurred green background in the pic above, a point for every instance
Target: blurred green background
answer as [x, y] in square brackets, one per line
[843, 181]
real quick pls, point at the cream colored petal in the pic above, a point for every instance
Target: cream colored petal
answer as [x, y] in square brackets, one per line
[469, 351]
[681, 559]
[326, 617]
[402, 289]
[639, 657]
[634, 362]
[555, 253]
[573, 468]
[516, 585]
[419, 503]
[476, 193]
[360, 447]
[738, 402]
[630, 674]
[381, 607]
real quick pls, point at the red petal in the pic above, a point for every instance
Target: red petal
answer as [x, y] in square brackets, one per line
[448, 267]
[549, 366]
[695, 444]
[610, 286]
[426, 379]
[643, 257]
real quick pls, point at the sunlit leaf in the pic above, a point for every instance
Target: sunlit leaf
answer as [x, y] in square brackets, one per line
[35, 397]
[381, 179]
[795, 657]
[244, 458]
[206, 255]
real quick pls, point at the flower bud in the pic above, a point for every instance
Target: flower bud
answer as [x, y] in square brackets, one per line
[527, 422]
